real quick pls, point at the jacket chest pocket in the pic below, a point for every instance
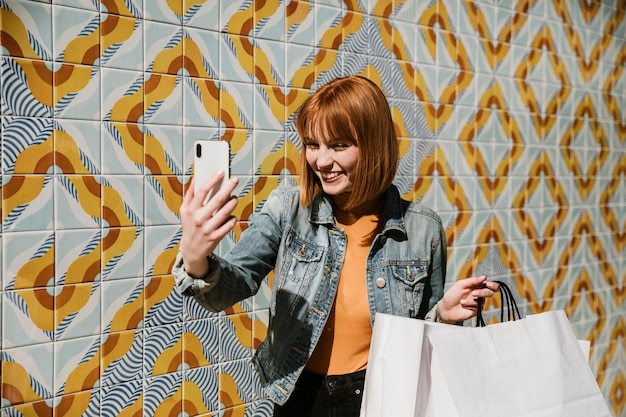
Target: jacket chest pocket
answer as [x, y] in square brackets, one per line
[301, 259]
[409, 282]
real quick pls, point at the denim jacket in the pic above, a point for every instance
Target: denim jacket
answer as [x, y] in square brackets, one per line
[406, 269]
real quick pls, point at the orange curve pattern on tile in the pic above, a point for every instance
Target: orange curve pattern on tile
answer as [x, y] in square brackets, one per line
[192, 402]
[103, 202]
[436, 164]
[589, 67]
[617, 113]
[497, 52]
[541, 241]
[609, 216]
[585, 176]
[492, 104]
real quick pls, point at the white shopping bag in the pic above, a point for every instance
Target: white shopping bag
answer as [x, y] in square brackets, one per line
[532, 367]
[390, 382]
[400, 360]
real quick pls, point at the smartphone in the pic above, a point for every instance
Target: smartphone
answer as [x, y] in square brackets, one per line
[210, 156]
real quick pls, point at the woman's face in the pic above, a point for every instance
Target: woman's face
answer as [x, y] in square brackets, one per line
[334, 163]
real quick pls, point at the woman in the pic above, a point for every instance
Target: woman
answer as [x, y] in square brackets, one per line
[343, 246]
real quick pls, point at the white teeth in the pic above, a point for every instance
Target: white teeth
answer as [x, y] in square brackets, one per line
[329, 175]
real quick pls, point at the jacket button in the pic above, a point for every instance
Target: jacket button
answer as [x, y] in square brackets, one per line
[380, 282]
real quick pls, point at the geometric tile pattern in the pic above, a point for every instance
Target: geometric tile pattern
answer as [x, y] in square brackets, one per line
[511, 118]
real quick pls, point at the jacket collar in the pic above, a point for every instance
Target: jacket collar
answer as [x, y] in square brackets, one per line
[393, 212]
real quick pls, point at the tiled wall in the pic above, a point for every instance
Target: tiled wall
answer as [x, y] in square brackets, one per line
[512, 122]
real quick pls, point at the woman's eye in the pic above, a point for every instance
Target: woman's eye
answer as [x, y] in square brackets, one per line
[311, 145]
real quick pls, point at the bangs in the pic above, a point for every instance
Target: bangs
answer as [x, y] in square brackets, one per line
[325, 121]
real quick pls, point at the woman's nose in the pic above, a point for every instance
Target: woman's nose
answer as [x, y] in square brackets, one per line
[324, 159]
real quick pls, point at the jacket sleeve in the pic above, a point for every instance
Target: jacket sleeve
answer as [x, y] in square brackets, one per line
[238, 275]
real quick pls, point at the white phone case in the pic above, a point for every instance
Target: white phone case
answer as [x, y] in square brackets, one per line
[211, 156]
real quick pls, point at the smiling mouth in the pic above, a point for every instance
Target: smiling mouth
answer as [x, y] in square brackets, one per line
[327, 176]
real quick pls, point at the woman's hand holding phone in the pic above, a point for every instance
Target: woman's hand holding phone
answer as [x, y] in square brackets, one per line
[205, 225]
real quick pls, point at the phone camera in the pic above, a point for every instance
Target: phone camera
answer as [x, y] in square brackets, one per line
[198, 150]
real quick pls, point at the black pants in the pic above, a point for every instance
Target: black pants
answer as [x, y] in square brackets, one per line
[324, 396]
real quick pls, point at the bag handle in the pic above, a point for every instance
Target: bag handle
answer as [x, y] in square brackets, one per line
[508, 302]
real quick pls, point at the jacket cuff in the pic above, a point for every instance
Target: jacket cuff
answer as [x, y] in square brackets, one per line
[433, 315]
[190, 286]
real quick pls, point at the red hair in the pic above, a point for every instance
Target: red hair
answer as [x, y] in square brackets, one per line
[355, 109]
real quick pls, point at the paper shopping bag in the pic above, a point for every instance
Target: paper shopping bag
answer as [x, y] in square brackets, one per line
[533, 367]
[393, 367]
[399, 361]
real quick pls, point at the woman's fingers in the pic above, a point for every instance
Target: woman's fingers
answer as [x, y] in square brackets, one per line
[487, 289]
[199, 197]
[461, 301]
[226, 227]
[220, 198]
[214, 224]
[205, 225]
[193, 204]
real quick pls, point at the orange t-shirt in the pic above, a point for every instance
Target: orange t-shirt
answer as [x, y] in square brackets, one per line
[345, 342]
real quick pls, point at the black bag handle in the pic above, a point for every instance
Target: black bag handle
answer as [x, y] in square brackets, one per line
[508, 303]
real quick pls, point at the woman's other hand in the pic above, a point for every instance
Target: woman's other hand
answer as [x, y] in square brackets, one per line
[204, 226]
[460, 302]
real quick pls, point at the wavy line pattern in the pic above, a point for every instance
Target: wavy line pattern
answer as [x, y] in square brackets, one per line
[124, 354]
[511, 125]
[16, 92]
[21, 134]
[120, 398]
[160, 338]
[160, 389]
[164, 312]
